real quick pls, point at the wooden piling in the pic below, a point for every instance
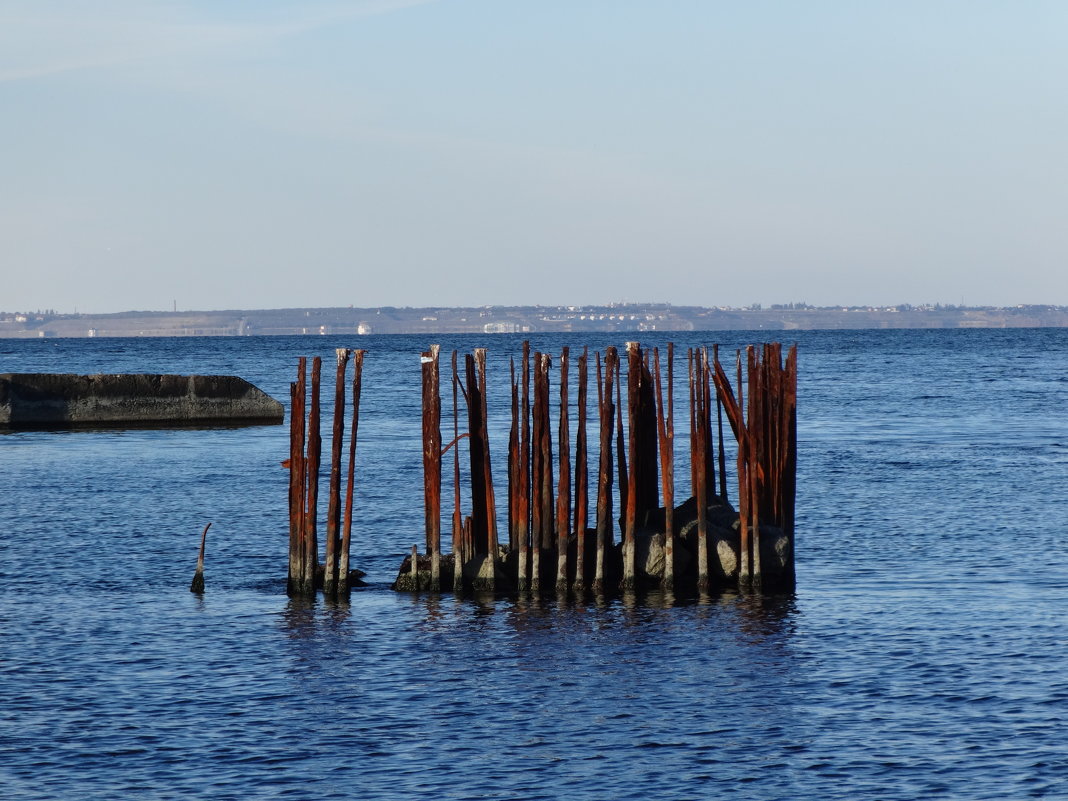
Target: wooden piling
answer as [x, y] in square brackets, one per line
[621, 448]
[478, 454]
[487, 475]
[432, 460]
[297, 478]
[523, 506]
[581, 478]
[755, 442]
[563, 493]
[315, 451]
[634, 367]
[665, 422]
[698, 462]
[350, 483]
[706, 427]
[458, 555]
[719, 422]
[513, 461]
[333, 509]
[604, 477]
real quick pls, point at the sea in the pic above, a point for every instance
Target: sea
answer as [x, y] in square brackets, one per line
[923, 653]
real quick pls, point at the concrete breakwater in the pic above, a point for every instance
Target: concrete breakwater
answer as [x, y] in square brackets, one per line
[40, 400]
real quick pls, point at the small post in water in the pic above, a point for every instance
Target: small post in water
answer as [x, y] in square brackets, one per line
[198, 577]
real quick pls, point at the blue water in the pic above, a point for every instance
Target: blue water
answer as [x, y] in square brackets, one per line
[924, 653]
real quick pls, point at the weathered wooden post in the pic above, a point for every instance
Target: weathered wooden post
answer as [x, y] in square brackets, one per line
[790, 467]
[432, 461]
[581, 478]
[665, 421]
[513, 461]
[523, 506]
[333, 509]
[634, 368]
[487, 471]
[563, 493]
[604, 478]
[297, 478]
[699, 461]
[542, 470]
[315, 451]
[458, 553]
[621, 448]
[346, 536]
[719, 421]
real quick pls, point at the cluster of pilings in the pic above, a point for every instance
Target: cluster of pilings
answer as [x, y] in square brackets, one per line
[698, 546]
[306, 574]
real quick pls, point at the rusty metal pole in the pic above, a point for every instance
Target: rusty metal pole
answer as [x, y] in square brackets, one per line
[665, 421]
[315, 451]
[581, 478]
[523, 507]
[634, 370]
[604, 479]
[346, 534]
[333, 508]
[432, 460]
[563, 492]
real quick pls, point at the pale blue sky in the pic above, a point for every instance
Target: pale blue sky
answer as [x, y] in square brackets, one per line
[263, 154]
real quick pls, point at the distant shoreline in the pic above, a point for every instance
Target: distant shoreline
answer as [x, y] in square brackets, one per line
[636, 317]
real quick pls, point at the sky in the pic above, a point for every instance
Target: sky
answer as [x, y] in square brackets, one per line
[289, 153]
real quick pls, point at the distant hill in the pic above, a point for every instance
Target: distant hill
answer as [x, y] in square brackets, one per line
[520, 319]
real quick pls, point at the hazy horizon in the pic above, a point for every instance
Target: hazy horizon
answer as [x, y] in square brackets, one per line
[261, 155]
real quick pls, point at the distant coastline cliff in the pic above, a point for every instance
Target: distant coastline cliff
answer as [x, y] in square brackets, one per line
[521, 319]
